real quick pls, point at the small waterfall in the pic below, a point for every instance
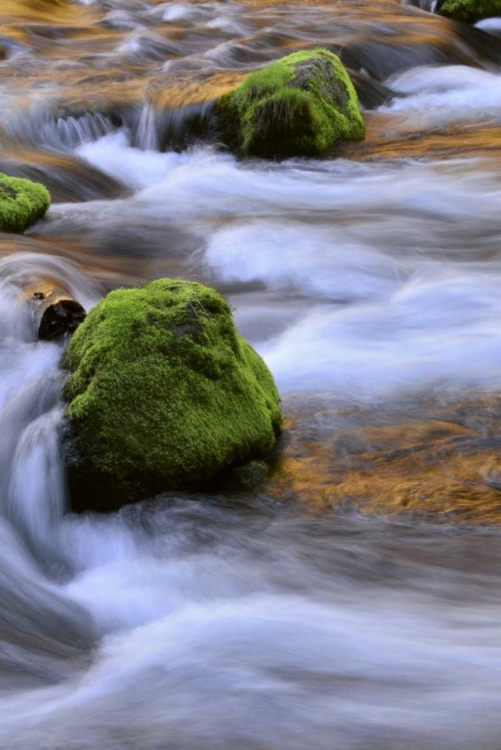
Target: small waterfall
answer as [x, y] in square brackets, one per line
[146, 136]
[35, 496]
[70, 132]
[61, 133]
[181, 127]
[32, 476]
[171, 129]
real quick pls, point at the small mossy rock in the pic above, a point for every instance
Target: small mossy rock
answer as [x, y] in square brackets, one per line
[469, 11]
[301, 105]
[163, 394]
[22, 202]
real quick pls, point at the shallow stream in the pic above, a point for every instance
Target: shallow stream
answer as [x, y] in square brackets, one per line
[370, 282]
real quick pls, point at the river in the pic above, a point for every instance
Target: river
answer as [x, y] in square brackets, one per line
[354, 602]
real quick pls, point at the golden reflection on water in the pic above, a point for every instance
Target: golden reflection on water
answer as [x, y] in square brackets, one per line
[440, 459]
[78, 54]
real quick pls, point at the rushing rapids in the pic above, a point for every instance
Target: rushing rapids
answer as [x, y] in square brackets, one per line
[352, 601]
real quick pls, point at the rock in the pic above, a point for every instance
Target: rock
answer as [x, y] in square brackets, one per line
[67, 178]
[22, 202]
[301, 105]
[469, 11]
[56, 314]
[163, 394]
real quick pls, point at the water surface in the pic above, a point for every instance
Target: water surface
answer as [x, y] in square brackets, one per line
[286, 617]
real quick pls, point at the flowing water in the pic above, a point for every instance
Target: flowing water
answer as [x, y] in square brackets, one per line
[282, 617]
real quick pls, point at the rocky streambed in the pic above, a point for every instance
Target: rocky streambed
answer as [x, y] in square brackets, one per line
[347, 594]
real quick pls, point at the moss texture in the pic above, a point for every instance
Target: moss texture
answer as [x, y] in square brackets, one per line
[301, 105]
[164, 395]
[22, 202]
[470, 11]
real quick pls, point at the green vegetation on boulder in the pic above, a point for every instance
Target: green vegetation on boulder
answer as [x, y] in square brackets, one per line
[164, 394]
[22, 202]
[469, 11]
[301, 105]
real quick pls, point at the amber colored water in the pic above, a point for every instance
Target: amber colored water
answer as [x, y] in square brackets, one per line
[351, 601]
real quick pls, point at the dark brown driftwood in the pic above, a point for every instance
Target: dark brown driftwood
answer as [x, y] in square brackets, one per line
[55, 312]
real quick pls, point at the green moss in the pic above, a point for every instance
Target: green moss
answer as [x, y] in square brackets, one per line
[22, 202]
[301, 105]
[164, 394]
[470, 11]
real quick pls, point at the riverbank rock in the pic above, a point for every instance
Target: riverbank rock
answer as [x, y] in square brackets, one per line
[301, 105]
[469, 11]
[22, 202]
[163, 394]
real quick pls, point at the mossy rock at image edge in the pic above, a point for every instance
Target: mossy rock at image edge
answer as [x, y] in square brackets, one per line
[300, 105]
[22, 202]
[163, 394]
[469, 11]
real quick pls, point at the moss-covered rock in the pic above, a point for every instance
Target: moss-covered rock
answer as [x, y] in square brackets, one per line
[164, 394]
[22, 202]
[469, 11]
[301, 105]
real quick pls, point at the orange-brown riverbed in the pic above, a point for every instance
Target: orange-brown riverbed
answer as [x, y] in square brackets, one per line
[350, 600]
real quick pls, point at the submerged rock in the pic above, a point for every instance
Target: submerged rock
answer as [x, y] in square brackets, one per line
[164, 394]
[301, 105]
[434, 456]
[22, 202]
[469, 11]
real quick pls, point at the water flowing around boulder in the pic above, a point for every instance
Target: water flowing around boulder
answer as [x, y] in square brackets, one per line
[301, 105]
[164, 394]
[350, 597]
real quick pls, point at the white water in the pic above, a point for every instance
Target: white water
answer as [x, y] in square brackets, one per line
[396, 267]
[262, 631]
[204, 622]
[438, 96]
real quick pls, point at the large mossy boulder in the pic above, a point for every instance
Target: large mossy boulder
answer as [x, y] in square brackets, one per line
[469, 11]
[22, 202]
[301, 105]
[163, 394]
